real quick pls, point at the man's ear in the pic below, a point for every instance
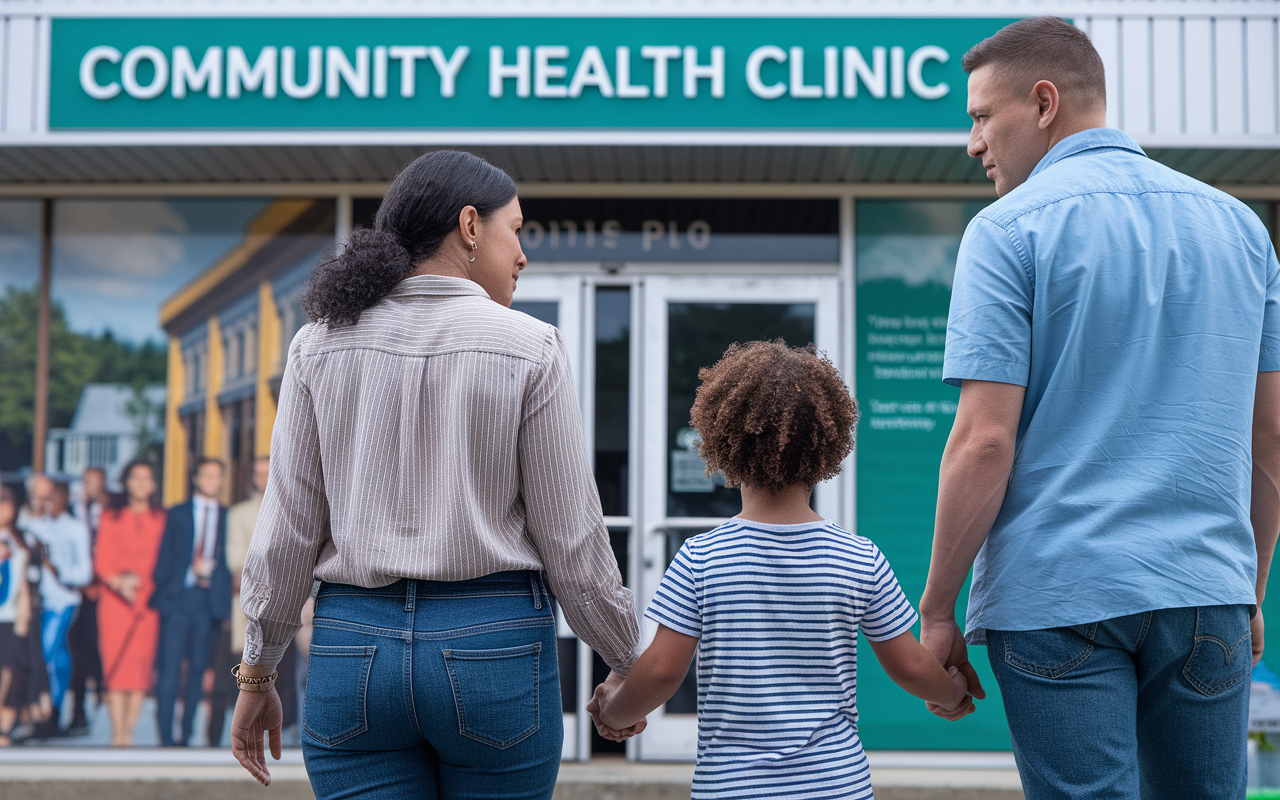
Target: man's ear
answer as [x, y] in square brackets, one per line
[1047, 101]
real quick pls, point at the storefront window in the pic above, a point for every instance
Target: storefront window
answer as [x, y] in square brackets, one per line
[20, 235]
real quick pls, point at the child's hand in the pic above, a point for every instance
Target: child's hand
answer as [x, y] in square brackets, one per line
[960, 691]
[600, 701]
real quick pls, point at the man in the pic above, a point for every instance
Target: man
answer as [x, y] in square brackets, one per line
[86, 662]
[241, 520]
[192, 594]
[1111, 322]
[67, 566]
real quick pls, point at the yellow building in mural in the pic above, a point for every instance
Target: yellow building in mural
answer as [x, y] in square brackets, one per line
[229, 330]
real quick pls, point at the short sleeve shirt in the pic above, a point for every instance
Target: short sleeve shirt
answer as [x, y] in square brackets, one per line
[777, 610]
[1136, 305]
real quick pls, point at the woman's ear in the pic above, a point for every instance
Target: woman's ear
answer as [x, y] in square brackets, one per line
[468, 224]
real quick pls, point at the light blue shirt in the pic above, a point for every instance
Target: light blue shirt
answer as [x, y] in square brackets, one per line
[1137, 306]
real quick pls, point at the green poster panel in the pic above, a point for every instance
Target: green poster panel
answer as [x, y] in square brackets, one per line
[906, 255]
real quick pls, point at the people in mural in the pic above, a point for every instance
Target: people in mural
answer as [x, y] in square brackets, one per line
[193, 595]
[86, 664]
[67, 566]
[1113, 474]
[125, 561]
[15, 616]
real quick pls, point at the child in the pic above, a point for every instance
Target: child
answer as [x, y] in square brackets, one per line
[773, 599]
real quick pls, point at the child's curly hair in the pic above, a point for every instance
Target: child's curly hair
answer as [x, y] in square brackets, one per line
[772, 416]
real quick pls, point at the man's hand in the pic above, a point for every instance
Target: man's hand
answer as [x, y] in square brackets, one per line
[256, 713]
[1255, 631]
[600, 700]
[944, 639]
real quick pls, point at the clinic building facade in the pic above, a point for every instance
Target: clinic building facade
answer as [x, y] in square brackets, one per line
[688, 180]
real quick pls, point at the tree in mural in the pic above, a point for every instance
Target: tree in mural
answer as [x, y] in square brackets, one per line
[75, 359]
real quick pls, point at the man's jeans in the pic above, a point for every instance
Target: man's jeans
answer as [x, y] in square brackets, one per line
[1152, 706]
[54, 627]
[434, 689]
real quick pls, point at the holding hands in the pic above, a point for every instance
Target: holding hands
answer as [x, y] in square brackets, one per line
[945, 641]
[599, 709]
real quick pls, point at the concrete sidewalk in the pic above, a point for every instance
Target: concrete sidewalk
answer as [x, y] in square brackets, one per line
[29, 773]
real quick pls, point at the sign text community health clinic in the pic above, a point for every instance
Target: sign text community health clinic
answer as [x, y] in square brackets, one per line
[710, 72]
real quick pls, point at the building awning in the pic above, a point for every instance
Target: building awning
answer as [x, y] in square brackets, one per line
[25, 169]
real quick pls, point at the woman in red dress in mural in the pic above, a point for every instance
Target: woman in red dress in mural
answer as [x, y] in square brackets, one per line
[128, 545]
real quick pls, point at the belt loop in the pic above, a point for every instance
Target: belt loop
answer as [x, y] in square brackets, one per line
[533, 584]
[411, 594]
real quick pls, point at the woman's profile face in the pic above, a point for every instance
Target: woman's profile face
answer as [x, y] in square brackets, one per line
[8, 513]
[499, 257]
[140, 484]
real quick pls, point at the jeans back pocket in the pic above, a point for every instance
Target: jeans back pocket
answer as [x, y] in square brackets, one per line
[1221, 655]
[496, 693]
[337, 687]
[1049, 653]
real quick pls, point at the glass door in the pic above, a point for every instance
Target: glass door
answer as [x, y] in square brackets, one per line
[557, 300]
[688, 324]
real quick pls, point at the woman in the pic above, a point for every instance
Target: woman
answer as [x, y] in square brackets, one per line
[128, 544]
[15, 614]
[428, 466]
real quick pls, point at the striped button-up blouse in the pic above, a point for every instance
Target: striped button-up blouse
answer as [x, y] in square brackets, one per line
[438, 438]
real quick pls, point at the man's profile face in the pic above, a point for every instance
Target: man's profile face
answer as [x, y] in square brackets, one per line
[208, 480]
[1006, 131]
[41, 494]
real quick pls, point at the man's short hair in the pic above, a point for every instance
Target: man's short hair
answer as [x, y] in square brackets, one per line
[61, 490]
[200, 462]
[1043, 49]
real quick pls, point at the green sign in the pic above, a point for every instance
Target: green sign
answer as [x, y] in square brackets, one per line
[906, 258]
[505, 73]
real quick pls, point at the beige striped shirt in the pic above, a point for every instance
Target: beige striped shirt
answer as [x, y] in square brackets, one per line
[439, 438]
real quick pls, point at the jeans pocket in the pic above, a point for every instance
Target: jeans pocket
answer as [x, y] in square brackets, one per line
[1050, 653]
[1221, 655]
[337, 687]
[496, 693]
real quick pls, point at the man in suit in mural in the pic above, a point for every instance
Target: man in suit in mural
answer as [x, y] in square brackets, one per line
[193, 595]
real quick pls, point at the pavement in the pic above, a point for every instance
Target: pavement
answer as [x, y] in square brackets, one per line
[54, 773]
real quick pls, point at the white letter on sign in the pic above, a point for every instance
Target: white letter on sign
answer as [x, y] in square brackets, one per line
[591, 71]
[338, 69]
[623, 71]
[915, 72]
[408, 56]
[289, 72]
[798, 86]
[499, 71]
[129, 72]
[89, 64]
[262, 75]
[544, 70]
[449, 68]
[660, 55]
[206, 78]
[693, 71]
[754, 62]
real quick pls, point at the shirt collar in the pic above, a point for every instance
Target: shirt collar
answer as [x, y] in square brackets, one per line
[437, 286]
[1091, 139]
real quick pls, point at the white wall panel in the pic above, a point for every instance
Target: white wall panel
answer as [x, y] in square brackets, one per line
[1260, 75]
[20, 75]
[1135, 74]
[1166, 74]
[1197, 76]
[1229, 79]
[1104, 32]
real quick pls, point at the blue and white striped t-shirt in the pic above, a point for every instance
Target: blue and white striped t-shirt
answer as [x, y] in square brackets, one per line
[777, 609]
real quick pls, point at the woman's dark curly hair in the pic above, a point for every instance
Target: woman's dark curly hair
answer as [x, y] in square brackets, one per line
[417, 214]
[772, 416]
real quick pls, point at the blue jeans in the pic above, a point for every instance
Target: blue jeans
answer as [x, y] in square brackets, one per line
[54, 627]
[1152, 705]
[433, 689]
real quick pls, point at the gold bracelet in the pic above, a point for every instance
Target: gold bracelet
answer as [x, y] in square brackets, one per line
[254, 684]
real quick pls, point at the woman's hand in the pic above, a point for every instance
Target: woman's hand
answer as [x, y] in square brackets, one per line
[256, 712]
